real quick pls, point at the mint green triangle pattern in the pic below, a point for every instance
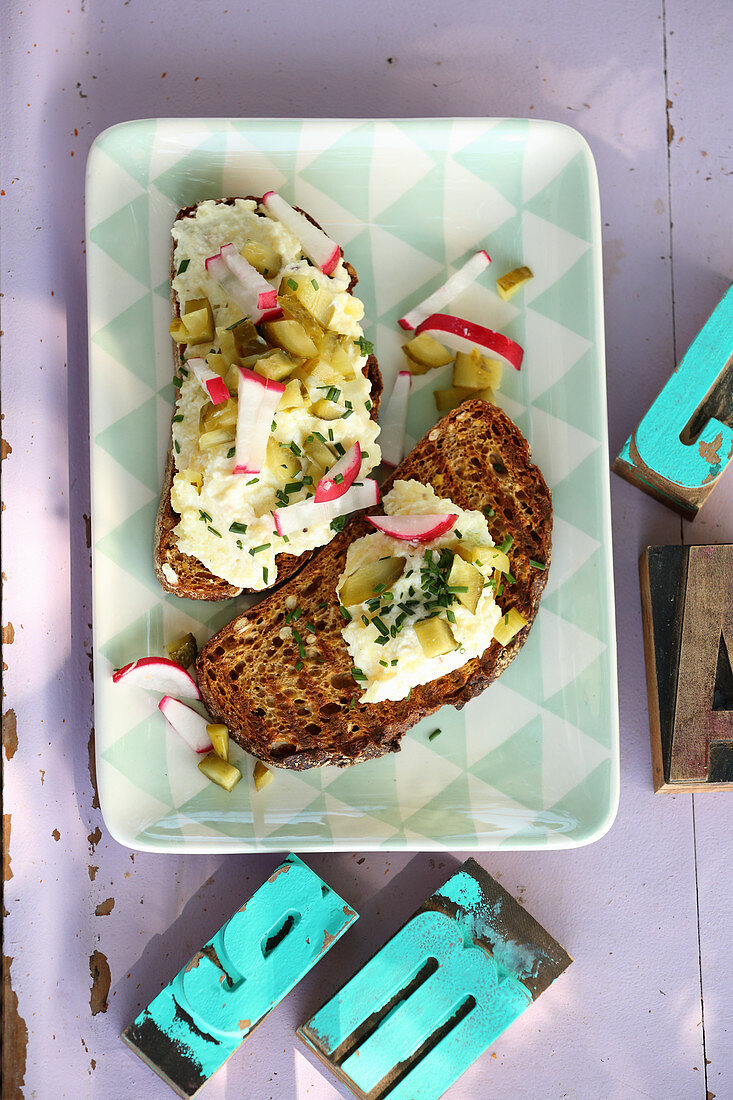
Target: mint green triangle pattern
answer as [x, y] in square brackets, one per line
[370, 787]
[524, 676]
[417, 218]
[132, 441]
[140, 755]
[129, 338]
[499, 163]
[131, 546]
[580, 598]
[164, 291]
[311, 822]
[569, 301]
[584, 701]
[448, 815]
[226, 811]
[349, 189]
[564, 200]
[582, 805]
[515, 766]
[450, 743]
[198, 175]
[131, 146]
[578, 498]
[276, 138]
[124, 237]
[576, 397]
[359, 254]
[141, 638]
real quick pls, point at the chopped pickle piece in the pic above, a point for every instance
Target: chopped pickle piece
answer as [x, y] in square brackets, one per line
[333, 352]
[219, 739]
[486, 557]
[320, 452]
[209, 440]
[262, 256]
[246, 337]
[217, 363]
[183, 650]
[220, 771]
[227, 343]
[435, 637]
[293, 397]
[363, 583]
[198, 319]
[193, 477]
[301, 293]
[445, 400]
[315, 373]
[424, 353]
[509, 284]
[178, 331]
[277, 364]
[486, 394]
[327, 410]
[290, 335]
[509, 625]
[463, 575]
[261, 775]
[281, 460]
[343, 314]
[218, 416]
[476, 372]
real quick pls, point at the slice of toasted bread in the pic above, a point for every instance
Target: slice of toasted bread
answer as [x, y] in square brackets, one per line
[476, 457]
[194, 580]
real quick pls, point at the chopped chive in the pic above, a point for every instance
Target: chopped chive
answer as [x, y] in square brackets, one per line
[506, 544]
[368, 406]
[321, 603]
[381, 640]
[264, 573]
[230, 328]
[380, 626]
[178, 418]
[319, 436]
[253, 481]
[332, 393]
[345, 613]
[230, 452]
[434, 734]
[339, 478]
[536, 564]
[214, 531]
[299, 643]
[177, 445]
[384, 664]
[298, 666]
[177, 382]
[450, 615]
[295, 448]
[238, 528]
[292, 284]
[204, 516]
[366, 347]
[239, 544]
[338, 523]
[273, 426]
[340, 451]
[293, 487]
[358, 674]
[314, 284]
[347, 414]
[184, 372]
[256, 549]
[183, 266]
[394, 662]
[330, 434]
[285, 538]
[457, 533]
[510, 579]
[489, 512]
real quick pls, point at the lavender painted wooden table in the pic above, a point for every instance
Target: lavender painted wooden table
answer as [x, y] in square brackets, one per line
[94, 930]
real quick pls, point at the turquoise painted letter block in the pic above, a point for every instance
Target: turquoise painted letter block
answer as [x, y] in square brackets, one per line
[201, 1017]
[659, 456]
[431, 1001]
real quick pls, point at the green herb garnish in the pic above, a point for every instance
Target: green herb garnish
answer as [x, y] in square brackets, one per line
[230, 452]
[292, 284]
[214, 531]
[256, 549]
[366, 347]
[434, 734]
[177, 446]
[178, 418]
[183, 266]
[536, 564]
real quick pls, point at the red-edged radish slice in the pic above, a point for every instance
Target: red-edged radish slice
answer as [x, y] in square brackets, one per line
[212, 384]
[317, 246]
[243, 284]
[310, 513]
[414, 528]
[450, 289]
[340, 477]
[158, 674]
[465, 335]
[392, 427]
[258, 399]
[188, 723]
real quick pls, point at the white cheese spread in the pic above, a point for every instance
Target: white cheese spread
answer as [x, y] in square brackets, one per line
[225, 518]
[391, 669]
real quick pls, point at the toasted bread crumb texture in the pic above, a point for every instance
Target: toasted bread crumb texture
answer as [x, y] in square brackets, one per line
[312, 715]
[184, 574]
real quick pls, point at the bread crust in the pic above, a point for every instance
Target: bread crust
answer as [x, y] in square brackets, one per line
[195, 581]
[476, 457]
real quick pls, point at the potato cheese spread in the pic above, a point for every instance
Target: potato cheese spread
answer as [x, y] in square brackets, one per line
[318, 353]
[434, 607]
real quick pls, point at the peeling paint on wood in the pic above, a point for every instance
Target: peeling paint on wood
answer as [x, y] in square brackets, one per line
[15, 1039]
[7, 872]
[10, 734]
[105, 908]
[101, 980]
[93, 770]
[8, 634]
[5, 449]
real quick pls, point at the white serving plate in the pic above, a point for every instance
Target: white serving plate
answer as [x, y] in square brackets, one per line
[531, 763]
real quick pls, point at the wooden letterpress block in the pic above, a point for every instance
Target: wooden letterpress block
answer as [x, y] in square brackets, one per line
[422, 1009]
[687, 611]
[685, 441]
[201, 1017]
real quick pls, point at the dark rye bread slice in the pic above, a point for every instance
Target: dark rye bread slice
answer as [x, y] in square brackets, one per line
[477, 458]
[195, 581]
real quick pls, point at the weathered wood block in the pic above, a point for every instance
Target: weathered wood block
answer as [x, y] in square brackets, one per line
[684, 443]
[202, 1016]
[687, 612]
[422, 1009]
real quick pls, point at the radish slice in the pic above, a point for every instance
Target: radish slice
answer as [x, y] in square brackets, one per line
[317, 246]
[450, 289]
[188, 723]
[465, 335]
[392, 428]
[258, 399]
[311, 513]
[340, 477]
[243, 284]
[414, 528]
[158, 674]
[212, 384]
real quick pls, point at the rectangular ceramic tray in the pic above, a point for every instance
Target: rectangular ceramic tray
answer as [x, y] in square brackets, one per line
[531, 763]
